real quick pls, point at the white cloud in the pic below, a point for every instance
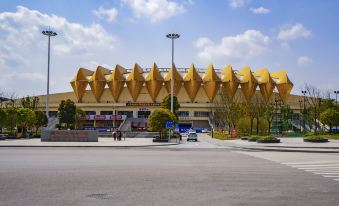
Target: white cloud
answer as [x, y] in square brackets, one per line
[23, 50]
[260, 10]
[237, 48]
[154, 10]
[285, 46]
[293, 32]
[107, 14]
[304, 60]
[237, 3]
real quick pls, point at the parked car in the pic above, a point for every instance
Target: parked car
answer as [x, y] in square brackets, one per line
[3, 136]
[192, 136]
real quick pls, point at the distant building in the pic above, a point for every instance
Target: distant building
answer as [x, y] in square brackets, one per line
[135, 93]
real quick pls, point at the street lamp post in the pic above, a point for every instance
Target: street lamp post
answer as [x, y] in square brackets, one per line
[48, 33]
[304, 93]
[300, 101]
[276, 115]
[336, 106]
[172, 37]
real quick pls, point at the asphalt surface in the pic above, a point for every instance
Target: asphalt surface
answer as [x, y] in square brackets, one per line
[191, 175]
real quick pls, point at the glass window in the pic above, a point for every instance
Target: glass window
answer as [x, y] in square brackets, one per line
[52, 113]
[201, 114]
[90, 112]
[182, 113]
[128, 114]
[106, 112]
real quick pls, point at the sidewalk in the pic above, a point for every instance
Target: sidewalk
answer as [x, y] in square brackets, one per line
[103, 142]
[286, 145]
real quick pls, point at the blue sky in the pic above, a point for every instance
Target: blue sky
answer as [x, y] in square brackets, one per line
[300, 36]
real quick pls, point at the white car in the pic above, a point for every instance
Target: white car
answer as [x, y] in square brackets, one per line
[192, 136]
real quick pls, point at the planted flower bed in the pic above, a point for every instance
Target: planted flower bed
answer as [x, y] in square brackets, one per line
[311, 137]
[315, 139]
[264, 139]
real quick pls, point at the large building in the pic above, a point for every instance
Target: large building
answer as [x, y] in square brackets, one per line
[110, 96]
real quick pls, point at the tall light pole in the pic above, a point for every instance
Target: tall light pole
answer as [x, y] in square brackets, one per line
[304, 93]
[300, 101]
[336, 106]
[48, 33]
[172, 37]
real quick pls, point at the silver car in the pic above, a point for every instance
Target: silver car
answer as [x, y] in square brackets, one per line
[192, 136]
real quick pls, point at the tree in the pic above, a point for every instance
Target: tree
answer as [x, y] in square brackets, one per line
[157, 119]
[80, 116]
[166, 103]
[26, 118]
[286, 113]
[66, 112]
[3, 118]
[11, 119]
[258, 109]
[314, 101]
[40, 120]
[330, 117]
[269, 110]
[229, 111]
[30, 102]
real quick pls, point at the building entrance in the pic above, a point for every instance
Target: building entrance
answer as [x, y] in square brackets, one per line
[184, 127]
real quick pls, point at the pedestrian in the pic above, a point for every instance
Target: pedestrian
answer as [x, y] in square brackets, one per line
[119, 135]
[114, 135]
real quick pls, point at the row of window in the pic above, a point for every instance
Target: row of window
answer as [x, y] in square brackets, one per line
[130, 113]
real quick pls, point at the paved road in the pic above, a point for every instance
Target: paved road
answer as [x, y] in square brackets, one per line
[155, 176]
[201, 143]
[325, 165]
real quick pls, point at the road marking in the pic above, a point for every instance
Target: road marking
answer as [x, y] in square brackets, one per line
[306, 163]
[326, 169]
[327, 165]
[330, 175]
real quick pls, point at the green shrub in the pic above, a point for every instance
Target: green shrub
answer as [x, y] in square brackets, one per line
[263, 126]
[244, 125]
[221, 136]
[315, 137]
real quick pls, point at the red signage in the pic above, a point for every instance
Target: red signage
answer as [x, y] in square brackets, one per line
[131, 104]
[234, 132]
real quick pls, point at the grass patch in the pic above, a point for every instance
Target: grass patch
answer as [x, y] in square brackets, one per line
[256, 137]
[311, 135]
[221, 136]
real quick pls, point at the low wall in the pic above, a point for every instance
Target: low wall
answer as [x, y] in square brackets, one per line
[48, 135]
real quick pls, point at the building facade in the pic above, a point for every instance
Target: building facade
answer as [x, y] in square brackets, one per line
[110, 96]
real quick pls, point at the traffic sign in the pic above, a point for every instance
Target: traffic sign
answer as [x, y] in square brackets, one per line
[169, 124]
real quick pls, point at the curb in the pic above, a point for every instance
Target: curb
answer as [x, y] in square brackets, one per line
[85, 146]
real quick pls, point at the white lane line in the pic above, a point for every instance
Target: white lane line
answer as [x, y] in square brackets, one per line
[322, 168]
[323, 165]
[336, 179]
[326, 173]
[330, 175]
[308, 163]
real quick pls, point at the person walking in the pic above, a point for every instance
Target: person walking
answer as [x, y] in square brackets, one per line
[119, 135]
[114, 135]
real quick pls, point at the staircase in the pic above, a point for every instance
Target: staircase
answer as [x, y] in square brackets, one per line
[52, 122]
[126, 125]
